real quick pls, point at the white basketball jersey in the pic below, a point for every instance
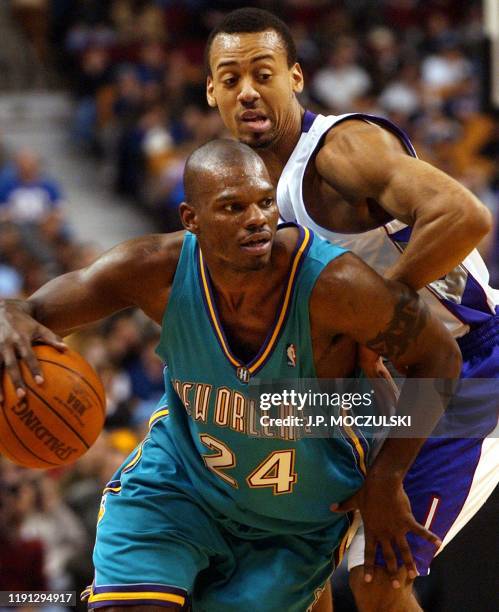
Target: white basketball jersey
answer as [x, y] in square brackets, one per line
[461, 299]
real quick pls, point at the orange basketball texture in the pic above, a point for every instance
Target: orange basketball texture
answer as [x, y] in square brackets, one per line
[58, 421]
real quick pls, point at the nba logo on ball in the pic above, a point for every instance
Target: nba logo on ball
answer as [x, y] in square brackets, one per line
[291, 355]
[243, 374]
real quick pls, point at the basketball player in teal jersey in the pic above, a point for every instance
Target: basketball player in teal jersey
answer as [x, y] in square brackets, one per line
[204, 513]
[355, 180]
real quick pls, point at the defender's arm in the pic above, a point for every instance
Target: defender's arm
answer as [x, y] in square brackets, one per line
[363, 161]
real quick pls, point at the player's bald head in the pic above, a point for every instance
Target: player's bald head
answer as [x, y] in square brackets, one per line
[212, 165]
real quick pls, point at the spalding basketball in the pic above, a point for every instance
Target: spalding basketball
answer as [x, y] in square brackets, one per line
[57, 421]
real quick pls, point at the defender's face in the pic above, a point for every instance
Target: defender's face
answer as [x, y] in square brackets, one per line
[252, 85]
[237, 220]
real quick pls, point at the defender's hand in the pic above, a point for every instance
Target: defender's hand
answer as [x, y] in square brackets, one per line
[18, 332]
[372, 364]
[387, 517]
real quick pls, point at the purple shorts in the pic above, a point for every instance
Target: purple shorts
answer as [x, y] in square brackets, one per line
[452, 477]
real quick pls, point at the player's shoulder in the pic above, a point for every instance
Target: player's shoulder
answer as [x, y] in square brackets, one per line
[354, 137]
[145, 258]
[341, 273]
[152, 247]
[344, 281]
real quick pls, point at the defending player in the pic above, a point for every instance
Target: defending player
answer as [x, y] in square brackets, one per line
[355, 180]
[204, 512]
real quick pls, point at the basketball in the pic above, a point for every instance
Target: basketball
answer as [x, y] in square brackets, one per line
[58, 421]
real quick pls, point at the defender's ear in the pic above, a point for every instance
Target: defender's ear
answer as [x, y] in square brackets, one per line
[297, 78]
[210, 96]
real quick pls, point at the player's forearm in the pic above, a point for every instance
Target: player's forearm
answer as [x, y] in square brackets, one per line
[442, 236]
[423, 400]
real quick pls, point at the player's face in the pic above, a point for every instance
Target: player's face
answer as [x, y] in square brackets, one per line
[237, 220]
[252, 85]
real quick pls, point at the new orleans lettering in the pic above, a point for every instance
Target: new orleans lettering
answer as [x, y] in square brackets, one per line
[230, 409]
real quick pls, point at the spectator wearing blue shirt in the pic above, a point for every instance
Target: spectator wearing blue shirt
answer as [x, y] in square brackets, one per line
[27, 196]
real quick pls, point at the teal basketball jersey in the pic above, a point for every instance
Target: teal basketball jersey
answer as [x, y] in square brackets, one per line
[267, 482]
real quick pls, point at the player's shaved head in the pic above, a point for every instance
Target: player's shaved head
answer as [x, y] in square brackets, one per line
[208, 166]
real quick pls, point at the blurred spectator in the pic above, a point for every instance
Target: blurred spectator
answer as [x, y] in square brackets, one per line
[53, 523]
[403, 94]
[445, 71]
[338, 85]
[28, 196]
[477, 180]
[151, 65]
[21, 558]
[33, 16]
[146, 370]
[94, 73]
[383, 56]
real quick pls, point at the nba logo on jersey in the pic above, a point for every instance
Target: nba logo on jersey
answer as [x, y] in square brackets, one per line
[243, 374]
[291, 355]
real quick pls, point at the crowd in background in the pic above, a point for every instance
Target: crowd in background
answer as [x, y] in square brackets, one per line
[135, 69]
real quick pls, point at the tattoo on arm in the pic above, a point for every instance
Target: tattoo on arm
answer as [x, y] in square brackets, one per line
[409, 318]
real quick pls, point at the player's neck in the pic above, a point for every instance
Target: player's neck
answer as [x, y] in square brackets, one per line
[237, 288]
[277, 154]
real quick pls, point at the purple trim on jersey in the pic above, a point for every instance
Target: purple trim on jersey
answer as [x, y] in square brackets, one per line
[402, 235]
[292, 276]
[385, 123]
[474, 296]
[307, 121]
[473, 309]
[468, 315]
[132, 602]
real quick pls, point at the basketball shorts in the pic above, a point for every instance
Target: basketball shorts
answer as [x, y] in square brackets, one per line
[452, 478]
[157, 543]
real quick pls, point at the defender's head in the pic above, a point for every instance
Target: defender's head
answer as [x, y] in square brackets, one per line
[253, 75]
[230, 205]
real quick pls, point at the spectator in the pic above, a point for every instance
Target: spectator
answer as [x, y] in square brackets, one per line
[53, 523]
[403, 94]
[21, 558]
[338, 85]
[28, 197]
[445, 71]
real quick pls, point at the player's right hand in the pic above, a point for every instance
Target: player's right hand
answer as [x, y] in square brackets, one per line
[388, 518]
[18, 332]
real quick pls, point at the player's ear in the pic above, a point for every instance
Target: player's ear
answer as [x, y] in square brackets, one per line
[297, 78]
[210, 96]
[188, 217]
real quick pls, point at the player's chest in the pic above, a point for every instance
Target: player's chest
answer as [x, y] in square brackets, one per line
[246, 333]
[329, 209]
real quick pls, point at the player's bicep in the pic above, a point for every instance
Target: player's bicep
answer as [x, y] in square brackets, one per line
[388, 317]
[400, 327]
[357, 159]
[79, 298]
